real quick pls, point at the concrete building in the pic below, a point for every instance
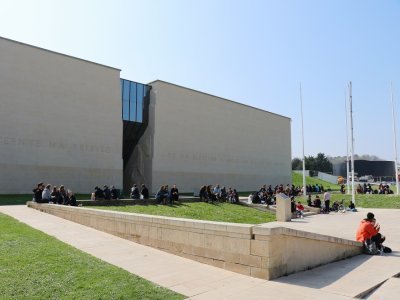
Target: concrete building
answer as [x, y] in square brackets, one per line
[60, 122]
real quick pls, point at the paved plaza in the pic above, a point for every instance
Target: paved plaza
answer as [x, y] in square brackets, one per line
[345, 279]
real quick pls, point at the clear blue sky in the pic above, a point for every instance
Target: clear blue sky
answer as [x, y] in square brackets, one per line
[254, 52]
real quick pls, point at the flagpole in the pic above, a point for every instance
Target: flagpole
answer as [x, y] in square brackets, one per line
[347, 145]
[353, 192]
[302, 139]
[394, 140]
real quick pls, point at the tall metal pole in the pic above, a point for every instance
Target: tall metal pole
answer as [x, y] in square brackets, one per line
[302, 139]
[353, 192]
[347, 146]
[394, 140]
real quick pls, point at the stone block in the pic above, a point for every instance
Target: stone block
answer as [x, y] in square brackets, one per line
[259, 273]
[238, 268]
[259, 248]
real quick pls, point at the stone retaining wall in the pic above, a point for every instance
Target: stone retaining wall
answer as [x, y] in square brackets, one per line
[265, 251]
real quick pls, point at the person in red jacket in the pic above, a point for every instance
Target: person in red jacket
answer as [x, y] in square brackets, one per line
[369, 230]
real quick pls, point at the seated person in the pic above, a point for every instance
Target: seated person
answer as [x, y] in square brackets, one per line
[216, 191]
[335, 206]
[210, 195]
[55, 195]
[107, 193]
[174, 194]
[144, 192]
[135, 192]
[114, 193]
[352, 207]
[317, 202]
[203, 193]
[222, 194]
[309, 202]
[300, 209]
[368, 232]
[71, 199]
[160, 195]
[98, 193]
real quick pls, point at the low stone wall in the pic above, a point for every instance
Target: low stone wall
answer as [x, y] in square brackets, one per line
[182, 199]
[257, 250]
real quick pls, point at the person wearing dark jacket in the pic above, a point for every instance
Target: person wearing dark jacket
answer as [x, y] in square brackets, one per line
[37, 192]
[107, 193]
[135, 192]
[174, 194]
[144, 192]
[71, 199]
[98, 193]
[114, 193]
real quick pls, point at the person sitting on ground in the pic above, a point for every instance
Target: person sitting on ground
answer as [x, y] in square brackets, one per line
[166, 194]
[107, 193]
[235, 196]
[222, 194]
[309, 202]
[211, 197]
[368, 232]
[37, 192]
[144, 193]
[160, 195]
[203, 193]
[352, 207]
[135, 192]
[114, 193]
[317, 202]
[335, 206]
[216, 191]
[98, 193]
[174, 194]
[300, 209]
[46, 195]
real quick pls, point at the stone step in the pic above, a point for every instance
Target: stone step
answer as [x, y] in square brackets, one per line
[390, 289]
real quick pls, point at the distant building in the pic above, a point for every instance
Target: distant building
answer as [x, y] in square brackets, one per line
[377, 168]
[65, 120]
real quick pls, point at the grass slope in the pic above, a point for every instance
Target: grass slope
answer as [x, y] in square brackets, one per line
[34, 265]
[221, 212]
[297, 180]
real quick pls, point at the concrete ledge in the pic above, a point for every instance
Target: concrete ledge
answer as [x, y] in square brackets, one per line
[265, 251]
[182, 199]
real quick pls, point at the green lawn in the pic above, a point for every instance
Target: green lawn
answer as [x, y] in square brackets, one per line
[221, 212]
[370, 201]
[34, 265]
[297, 180]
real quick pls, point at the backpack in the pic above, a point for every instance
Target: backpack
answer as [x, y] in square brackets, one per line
[370, 248]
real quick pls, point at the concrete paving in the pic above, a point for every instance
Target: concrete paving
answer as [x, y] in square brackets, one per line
[341, 280]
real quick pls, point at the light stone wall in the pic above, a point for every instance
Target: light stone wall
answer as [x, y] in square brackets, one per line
[202, 139]
[60, 120]
[252, 250]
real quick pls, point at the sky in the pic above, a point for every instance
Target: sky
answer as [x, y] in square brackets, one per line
[253, 52]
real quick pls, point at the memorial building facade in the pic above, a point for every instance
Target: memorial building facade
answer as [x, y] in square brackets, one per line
[64, 120]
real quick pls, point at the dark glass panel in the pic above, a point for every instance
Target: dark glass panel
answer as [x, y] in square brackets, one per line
[132, 101]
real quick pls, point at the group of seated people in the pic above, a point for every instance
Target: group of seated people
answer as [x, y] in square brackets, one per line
[142, 194]
[366, 188]
[209, 194]
[105, 194]
[166, 196]
[314, 188]
[56, 195]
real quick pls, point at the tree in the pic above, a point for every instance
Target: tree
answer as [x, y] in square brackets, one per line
[297, 164]
[319, 163]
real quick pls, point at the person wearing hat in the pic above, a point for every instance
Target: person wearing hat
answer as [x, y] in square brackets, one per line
[369, 230]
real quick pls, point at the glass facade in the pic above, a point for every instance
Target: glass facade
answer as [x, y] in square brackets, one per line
[133, 95]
